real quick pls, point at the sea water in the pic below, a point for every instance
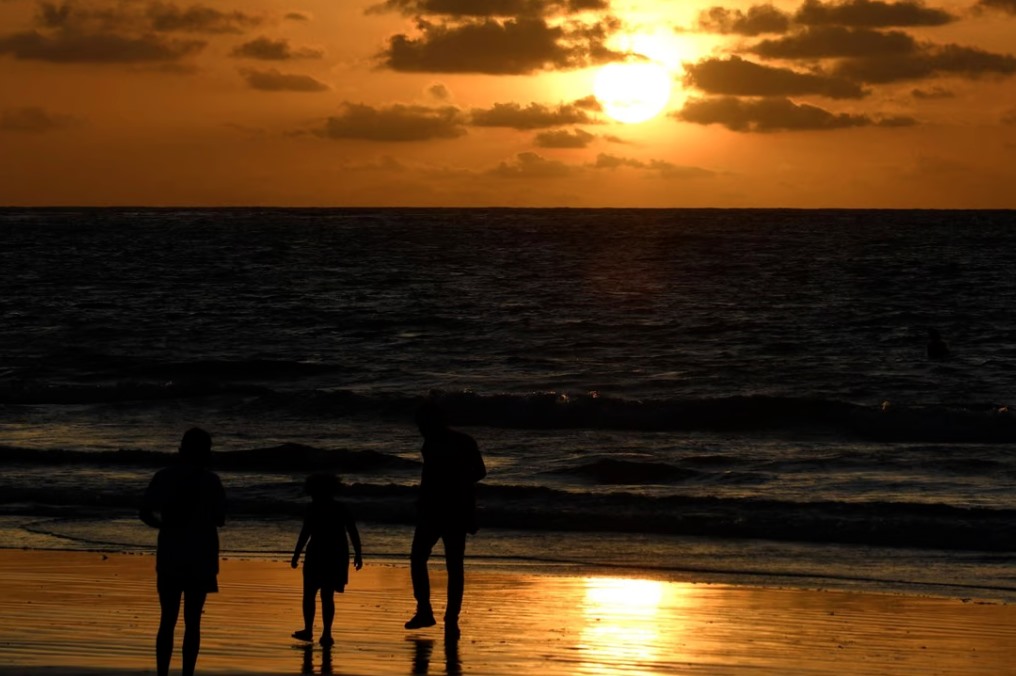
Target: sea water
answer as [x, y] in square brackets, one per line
[738, 395]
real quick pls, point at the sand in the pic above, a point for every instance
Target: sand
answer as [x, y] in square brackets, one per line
[94, 614]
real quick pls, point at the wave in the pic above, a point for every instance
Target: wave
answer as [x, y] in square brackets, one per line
[884, 422]
[877, 523]
[285, 457]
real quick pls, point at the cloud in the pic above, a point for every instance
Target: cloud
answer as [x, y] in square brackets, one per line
[397, 123]
[199, 19]
[774, 114]
[533, 116]
[141, 17]
[759, 19]
[931, 61]
[870, 14]
[835, 41]
[511, 47]
[32, 119]
[272, 80]
[1007, 6]
[531, 165]
[933, 93]
[439, 92]
[490, 8]
[1009, 117]
[72, 47]
[737, 77]
[273, 50]
[665, 169]
[296, 16]
[562, 138]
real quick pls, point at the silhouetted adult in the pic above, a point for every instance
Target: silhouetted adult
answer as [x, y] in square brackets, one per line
[446, 511]
[186, 502]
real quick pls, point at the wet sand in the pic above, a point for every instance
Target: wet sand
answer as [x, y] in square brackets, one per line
[90, 614]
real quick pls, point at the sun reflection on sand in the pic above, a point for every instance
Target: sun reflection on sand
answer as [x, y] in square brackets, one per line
[621, 633]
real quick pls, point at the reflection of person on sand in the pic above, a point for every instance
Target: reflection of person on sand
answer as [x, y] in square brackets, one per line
[326, 565]
[307, 667]
[187, 504]
[446, 511]
[937, 349]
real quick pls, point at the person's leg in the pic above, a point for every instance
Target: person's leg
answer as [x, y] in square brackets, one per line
[327, 614]
[309, 603]
[424, 539]
[193, 604]
[169, 603]
[455, 554]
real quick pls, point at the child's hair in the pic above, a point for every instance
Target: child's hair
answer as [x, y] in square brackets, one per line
[322, 484]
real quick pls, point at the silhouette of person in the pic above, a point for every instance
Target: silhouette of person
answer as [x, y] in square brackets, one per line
[326, 564]
[937, 349]
[186, 502]
[446, 511]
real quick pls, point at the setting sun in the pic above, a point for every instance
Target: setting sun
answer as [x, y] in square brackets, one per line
[632, 92]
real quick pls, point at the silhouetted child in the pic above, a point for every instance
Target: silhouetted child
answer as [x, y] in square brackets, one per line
[326, 564]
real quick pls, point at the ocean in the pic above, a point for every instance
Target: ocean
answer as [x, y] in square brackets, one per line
[736, 396]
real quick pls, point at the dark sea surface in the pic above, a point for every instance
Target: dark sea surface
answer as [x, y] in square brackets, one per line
[706, 394]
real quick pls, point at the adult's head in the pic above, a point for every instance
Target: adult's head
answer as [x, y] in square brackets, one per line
[196, 446]
[431, 419]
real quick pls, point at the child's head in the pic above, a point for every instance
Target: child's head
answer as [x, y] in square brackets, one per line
[196, 446]
[321, 486]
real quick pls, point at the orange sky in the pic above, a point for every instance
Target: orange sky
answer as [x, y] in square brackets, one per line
[863, 103]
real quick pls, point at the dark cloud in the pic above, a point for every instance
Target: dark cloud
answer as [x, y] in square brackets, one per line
[870, 14]
[931, 61]
[772, 115]
[199, 19]
[72, 47]
[138, 16]
[32, 119]
[272, 80]
[737, 77]
[397, 123]
[490, 8]
[296, 16]
[757, 20]
[1008, 6]
[533, 116]
[439, 92]
[933, 93]
[663, 168]
[836, 41]
[531, 165]
[562, 138]
[512, 47]
[274, 50]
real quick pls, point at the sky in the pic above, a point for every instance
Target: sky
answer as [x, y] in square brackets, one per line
[431, 103]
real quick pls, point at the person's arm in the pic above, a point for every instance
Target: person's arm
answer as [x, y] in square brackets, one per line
[149, 512]
[477, 469]
[354, 536]
[301, 541]
[220, 502]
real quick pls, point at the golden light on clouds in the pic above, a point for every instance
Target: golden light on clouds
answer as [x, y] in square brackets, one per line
[515, 103]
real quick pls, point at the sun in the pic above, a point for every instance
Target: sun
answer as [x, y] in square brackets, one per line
[633, 91]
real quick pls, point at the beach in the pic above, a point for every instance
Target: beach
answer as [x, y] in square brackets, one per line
[95, 614]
